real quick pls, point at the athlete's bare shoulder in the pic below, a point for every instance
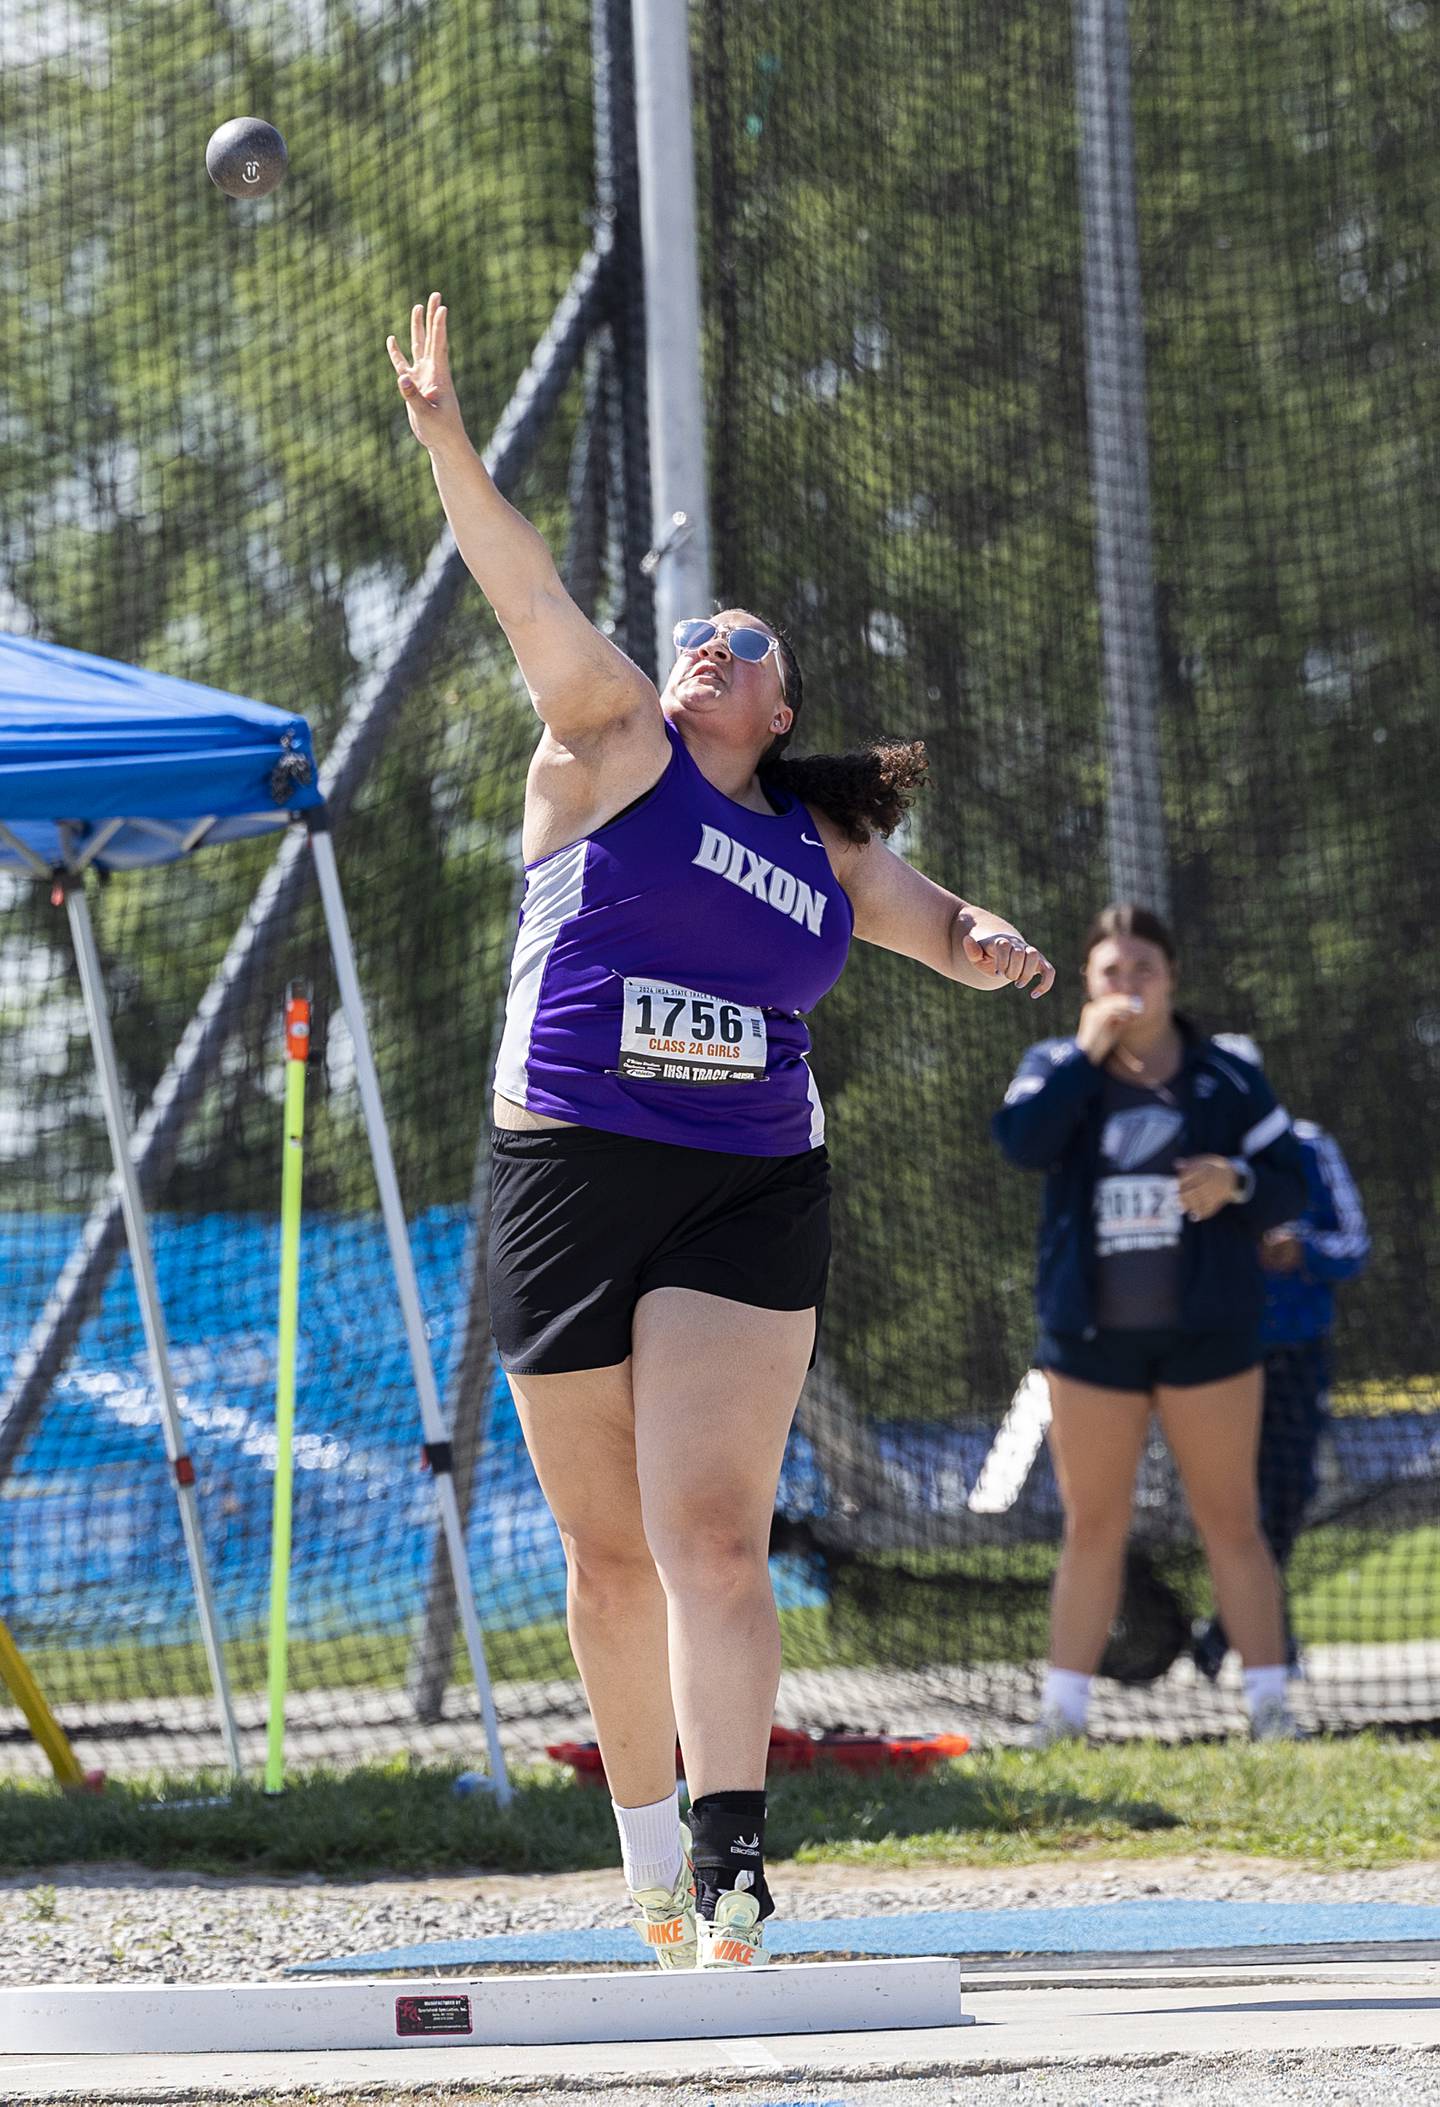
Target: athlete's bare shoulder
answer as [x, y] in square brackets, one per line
[577, 783]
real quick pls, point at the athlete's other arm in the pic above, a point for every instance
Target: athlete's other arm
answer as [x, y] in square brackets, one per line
[900, 909]
[578, 681]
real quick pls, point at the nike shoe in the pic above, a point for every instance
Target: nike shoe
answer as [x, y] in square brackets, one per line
[1050, 1727]
[1274, 1721]
[736, 1938]
[665, 1917]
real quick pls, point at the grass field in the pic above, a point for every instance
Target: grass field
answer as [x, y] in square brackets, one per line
[1361, 1802]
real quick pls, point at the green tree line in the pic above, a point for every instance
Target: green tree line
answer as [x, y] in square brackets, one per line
[206, 470]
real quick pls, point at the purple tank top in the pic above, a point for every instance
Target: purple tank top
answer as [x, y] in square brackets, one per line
[663, 968]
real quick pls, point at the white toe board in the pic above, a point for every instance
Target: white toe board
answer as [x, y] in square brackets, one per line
[827, 1997]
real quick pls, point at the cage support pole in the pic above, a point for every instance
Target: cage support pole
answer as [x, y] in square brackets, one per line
[664, 124]
[624, 359]
[1138, 865]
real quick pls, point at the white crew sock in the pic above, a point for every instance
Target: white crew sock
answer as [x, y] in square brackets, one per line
[1264, 1684]
[1068, 1694]
[650, 1843]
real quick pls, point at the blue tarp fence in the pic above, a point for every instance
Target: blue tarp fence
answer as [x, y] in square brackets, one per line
[89, 1535]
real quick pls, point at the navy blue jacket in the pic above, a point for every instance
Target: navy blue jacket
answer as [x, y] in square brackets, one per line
[1299, 1307]
[1051, 1121]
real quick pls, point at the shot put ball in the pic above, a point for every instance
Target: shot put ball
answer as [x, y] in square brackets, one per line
[246, 158]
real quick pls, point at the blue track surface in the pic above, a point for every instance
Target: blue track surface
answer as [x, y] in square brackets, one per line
[1114, 1927]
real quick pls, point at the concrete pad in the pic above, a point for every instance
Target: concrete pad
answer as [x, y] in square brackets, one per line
[1023, 2022]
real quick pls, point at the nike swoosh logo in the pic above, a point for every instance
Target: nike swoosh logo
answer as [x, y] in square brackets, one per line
[812, 841]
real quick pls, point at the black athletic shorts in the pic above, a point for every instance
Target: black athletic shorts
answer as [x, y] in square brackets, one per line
[582, 1224]
[1143, 1360]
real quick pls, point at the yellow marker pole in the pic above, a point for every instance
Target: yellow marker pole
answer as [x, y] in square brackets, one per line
[297, 1051]
[38, 1716]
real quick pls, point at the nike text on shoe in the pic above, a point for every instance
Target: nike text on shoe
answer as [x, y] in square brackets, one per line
[736, 1938]
[665, 1917]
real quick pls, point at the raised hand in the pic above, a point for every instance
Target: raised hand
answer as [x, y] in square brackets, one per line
[1101, 1023]
[424, 378]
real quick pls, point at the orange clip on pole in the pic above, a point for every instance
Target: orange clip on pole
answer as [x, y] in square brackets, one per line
[297, 1023]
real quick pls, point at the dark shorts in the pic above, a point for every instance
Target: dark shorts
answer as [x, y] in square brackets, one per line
[582, 1224]
[1143, 1360]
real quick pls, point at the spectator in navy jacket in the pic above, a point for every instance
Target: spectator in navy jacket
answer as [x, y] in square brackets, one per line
[1304, 1261]
[1166, 1160]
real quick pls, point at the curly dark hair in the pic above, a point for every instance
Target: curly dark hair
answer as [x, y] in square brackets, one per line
[866, 791]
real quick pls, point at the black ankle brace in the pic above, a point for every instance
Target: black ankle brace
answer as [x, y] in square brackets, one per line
[728, 1831]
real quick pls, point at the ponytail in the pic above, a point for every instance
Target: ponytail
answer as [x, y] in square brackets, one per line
[866, 791]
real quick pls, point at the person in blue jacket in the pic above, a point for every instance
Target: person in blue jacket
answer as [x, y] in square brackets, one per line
[1304, 1261]
[1166, 1159]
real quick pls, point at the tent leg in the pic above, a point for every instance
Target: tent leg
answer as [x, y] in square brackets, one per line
[469, 1399]
[432, 1420]
[137, 1235]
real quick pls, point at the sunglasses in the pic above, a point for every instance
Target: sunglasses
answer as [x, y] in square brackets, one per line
[750, 644]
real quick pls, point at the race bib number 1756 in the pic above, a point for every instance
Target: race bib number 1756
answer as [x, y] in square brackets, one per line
[676, 1035]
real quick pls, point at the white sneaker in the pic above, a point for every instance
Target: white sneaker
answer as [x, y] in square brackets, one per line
[1050, 1727]
[736, 1939]
[665, 1917]
[1274, 1721]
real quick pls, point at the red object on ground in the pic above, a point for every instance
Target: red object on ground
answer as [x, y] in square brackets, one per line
[89, 1781]
[790, 1749]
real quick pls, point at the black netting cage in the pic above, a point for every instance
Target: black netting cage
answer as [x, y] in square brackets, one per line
[1072, 386]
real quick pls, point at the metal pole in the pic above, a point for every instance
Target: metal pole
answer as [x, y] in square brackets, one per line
[584, 566]
[623, 357]
[152, 1316]
[469, 1396]
[438, 1449]
[1119, 455]
[287, 1341]
[680, 556]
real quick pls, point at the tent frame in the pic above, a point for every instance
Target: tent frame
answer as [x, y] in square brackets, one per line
[68, 886]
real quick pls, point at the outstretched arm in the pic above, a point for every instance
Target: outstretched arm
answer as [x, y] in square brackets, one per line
[578, 681]
[901, 910]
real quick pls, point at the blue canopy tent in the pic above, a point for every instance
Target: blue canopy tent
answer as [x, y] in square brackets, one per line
[103, 764]
[106, 766]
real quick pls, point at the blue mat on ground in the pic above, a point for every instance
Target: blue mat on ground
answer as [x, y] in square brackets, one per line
[1111, 1927]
